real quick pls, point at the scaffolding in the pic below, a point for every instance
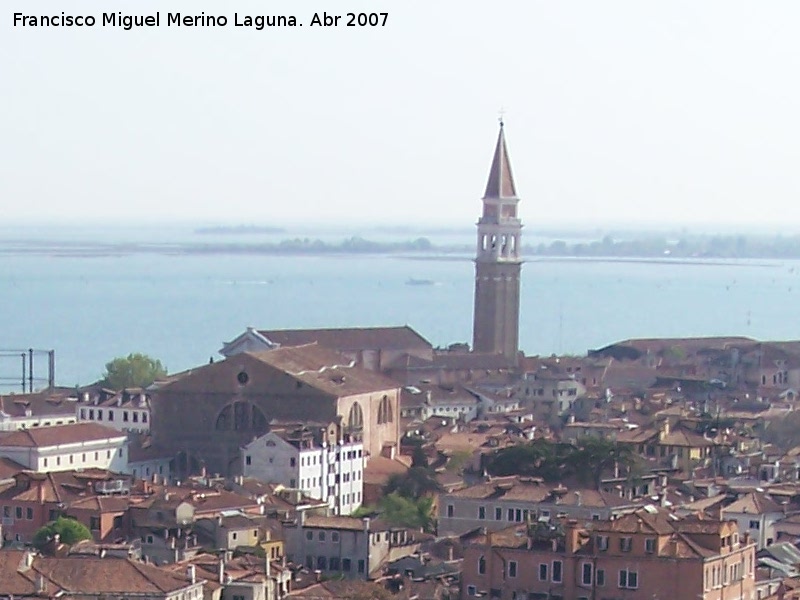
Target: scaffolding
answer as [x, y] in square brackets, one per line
[20, 369]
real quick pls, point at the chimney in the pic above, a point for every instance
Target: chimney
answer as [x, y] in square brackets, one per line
[29, 557]
[268, 567]
[40, 586]
[221, 570]
[40, 492]
[365, 521]
[572, 536]
[191, 574]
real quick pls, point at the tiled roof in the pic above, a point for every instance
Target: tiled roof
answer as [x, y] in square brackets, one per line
[43, 437]
[350, 338]
[15, 580]
[58, 403]
[312, 364]
[754, 503]
[108, 576]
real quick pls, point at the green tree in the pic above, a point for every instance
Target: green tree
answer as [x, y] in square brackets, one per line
[69, 530]
[134, 370]
[592, 457]
[413, 484]
[539, 458]
[406, 512]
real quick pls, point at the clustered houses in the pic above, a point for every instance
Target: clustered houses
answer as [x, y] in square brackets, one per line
[647, 554]
[320, 461]
[239, 479]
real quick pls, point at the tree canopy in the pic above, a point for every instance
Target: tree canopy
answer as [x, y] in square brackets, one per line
[134, 370]
[70, 532]
[588, 459]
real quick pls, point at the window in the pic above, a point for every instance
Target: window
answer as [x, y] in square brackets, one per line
[18, 512]
[29, 514]
[248, 460]
[471, 590]
[450, 510]
[602, 542]
[96, 455]
[481, 512]
[309, 535]
[334, 563]
[322, 563]
[309, 561]
[754, 525]
[543, 572]
[361, 565]
[111, 415]
[498, 514]
[557, 574]
[125, 415]
[321, 536]
[45, 462]
[586, 574]
[94, 523]
[650, 545]
[135, 417]
[144, 417]
[600, 577]
[628, 579]
[234, 535]
[625, 544]
[346, 564]
[512, 568]
[91, 414]
[99, 415]
[83, 414]
[292, 462]
[482, 565]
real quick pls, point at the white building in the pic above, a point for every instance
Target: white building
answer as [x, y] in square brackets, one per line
[127, 410]
[40, 409]
[67, 447]
[303, 459]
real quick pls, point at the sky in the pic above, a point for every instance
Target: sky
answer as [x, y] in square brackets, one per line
[626, 112]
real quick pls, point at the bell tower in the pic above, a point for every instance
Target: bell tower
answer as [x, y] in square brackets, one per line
[497, 262]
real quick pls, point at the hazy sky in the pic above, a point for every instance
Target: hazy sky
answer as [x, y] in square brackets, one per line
[635, 111]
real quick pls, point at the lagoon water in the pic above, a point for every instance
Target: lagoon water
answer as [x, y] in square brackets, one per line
[92, 306]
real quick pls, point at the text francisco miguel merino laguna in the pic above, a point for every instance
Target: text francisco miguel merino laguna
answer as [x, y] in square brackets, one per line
[128, 22]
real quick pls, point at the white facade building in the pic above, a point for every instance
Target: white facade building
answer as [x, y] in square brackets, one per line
[41, 409]
[126, 410]
[67, 447]
[300, 460]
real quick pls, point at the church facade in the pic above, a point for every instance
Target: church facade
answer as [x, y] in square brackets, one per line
[205, 416]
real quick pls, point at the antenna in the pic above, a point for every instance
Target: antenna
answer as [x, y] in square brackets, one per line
[500, 115]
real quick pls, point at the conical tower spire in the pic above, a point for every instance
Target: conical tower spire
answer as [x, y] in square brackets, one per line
[501, 181]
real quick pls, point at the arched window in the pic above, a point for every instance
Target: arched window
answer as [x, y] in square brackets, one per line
[356, 418]
[241, 416]
[482, 565]
[385, 411]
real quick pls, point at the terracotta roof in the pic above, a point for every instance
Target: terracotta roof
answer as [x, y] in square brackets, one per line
[108, 575]
[501, 181]
[75, 433]
[9, 468]
[754, 503]
[515, 489]
[350, 338]
[312, 364]
[15, 579]
[57, 403]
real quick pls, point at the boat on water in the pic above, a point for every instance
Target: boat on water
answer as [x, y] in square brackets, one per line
[412, 281]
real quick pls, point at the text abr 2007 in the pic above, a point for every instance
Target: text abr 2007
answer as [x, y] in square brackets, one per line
[366, 19]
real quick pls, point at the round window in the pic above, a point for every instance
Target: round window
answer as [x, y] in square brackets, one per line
[243, 378]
